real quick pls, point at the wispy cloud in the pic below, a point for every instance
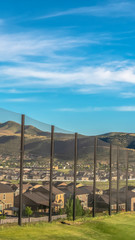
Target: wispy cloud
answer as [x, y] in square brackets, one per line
[20, 47]
[125, 109]
[84, 76]
[22, 91]
[41, 60]
[98, 109]
[128, 94]
[119, 9]
[89, 90]
[87, 109]
[15, 100]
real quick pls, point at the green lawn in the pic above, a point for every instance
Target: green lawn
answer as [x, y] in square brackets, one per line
[121, 226]
[105, 185]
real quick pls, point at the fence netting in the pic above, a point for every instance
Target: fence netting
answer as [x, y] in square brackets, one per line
[84, 184]
[10, 132]
[122, 164]
[36, 172]
[131, 180]
[113, 184]
[114, 170]
[63, 172]
[102, 177]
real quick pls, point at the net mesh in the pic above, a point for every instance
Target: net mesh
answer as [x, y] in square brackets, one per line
[10, 132]
[84, 187]
[36, 173]
[36, 169]
[63, 171]
[102, 177]
[10, 135]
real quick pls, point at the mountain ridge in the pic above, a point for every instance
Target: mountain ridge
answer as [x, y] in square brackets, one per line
[37, 143]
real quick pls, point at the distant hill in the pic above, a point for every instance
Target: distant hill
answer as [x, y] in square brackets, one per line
[126, 140]
[37, 143]
[9, 127]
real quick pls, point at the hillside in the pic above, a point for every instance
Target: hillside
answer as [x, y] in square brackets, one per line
[37, 143]
[126, 140]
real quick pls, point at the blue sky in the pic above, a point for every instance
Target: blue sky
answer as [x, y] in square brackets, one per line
[69, 63]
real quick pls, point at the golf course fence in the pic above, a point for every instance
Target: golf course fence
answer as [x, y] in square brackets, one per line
[52, 155]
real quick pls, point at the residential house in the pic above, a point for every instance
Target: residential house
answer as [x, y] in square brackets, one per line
[16, 188]
[6, 199]
[57, 195]
[81, 194]
[102, 201]
[38, 202]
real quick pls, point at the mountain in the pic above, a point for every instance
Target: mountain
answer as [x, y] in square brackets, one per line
[37, 143]
[126, 140]
[9, 127]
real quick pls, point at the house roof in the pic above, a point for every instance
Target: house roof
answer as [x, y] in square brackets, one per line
[59, 184]
[122, 197]
[122, 193]
[87, 189]
[55, 190]
[100, 199]
[38, 198]
[5, 188]
[72, 184]
[25, 186]
[79, 191]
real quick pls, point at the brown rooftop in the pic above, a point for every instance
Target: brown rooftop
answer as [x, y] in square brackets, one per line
[5, 188]
[39, 198]
[55, 190]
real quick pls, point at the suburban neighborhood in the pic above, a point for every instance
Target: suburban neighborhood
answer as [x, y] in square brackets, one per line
[36, 196]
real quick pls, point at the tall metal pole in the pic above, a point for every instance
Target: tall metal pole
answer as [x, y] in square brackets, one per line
[51, 173]
[117, 179]
[110, 181]
[94, 178]
[75, 162]
[127, 182]
[21, 171]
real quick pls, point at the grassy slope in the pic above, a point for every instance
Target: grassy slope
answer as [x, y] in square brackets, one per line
[118, 227]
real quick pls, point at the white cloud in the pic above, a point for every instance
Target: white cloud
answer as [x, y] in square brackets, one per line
[119, 9]
[41, 60]
[15, 100]
[87, 109]
[22, 91]
[128, 94]
[18, 47]
[89, 90]
[103, 77]
[125, 109]
[98, 109]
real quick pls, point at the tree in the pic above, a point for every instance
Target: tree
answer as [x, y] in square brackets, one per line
[69, 208]
[28, 211]
[61, 211]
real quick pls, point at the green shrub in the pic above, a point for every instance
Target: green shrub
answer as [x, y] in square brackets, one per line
[69, 208]
[28, 211]
[87, 213]
[61, 211]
